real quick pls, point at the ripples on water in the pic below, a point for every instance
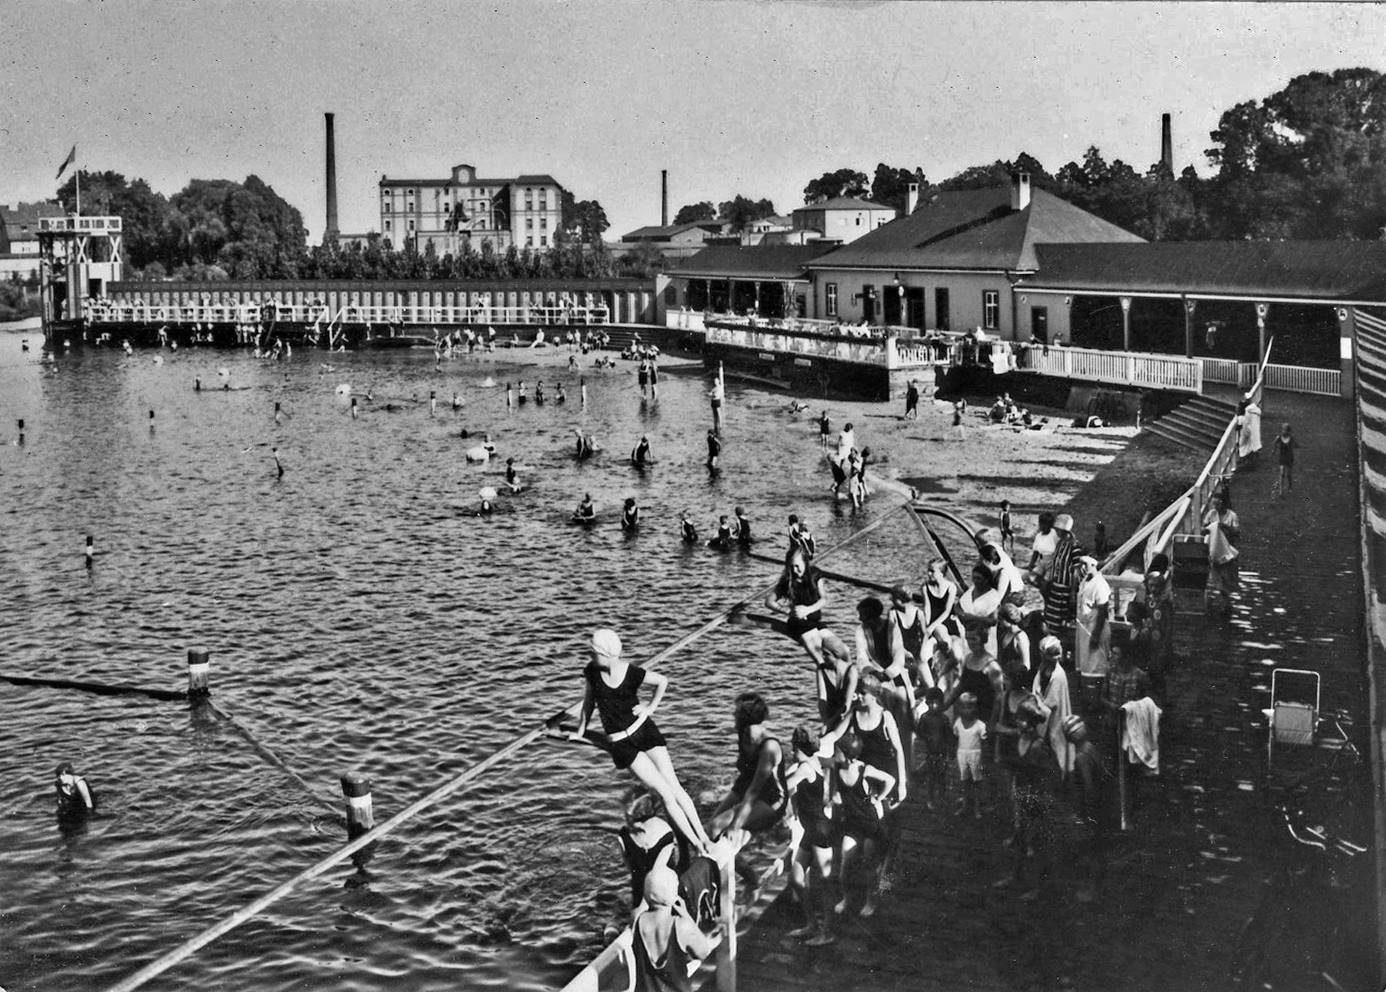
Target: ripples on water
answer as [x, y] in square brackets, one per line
[357, 620]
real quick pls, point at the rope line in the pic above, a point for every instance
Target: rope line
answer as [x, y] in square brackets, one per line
[189, 947]
[99, 688]
[274, 759]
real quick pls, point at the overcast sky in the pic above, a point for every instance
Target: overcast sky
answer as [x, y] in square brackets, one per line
[730, 97]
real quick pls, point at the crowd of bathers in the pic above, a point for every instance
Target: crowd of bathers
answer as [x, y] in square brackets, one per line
[959, 693]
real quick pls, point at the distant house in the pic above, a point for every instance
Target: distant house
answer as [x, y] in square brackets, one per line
[19, 246]
[673, 240]
[950, 264]
[522, 211]
[843, 218]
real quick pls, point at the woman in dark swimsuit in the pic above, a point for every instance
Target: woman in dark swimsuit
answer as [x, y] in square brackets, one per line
[813, 858]
[799, 594]
[612, 688]
[648, 842]
[940, 597]
[665, 937]
[759, 797]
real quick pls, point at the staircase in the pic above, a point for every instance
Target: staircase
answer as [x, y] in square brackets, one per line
[1197, 424]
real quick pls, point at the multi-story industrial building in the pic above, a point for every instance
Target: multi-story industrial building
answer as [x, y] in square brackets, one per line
[524, 211]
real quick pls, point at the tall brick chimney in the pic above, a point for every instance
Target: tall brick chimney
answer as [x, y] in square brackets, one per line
[331, 231]
[1166, 148]
[663, 197]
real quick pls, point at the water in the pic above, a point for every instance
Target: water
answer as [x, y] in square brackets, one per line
[357, 620]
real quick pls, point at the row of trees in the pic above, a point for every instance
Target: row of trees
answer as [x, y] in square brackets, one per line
[221, 229]
[1306, 162]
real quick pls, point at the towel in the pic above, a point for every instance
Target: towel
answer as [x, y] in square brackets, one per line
[1141, 738]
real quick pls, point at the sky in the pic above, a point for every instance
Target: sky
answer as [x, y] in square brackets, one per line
[730, 96]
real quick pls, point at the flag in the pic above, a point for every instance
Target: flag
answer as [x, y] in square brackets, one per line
[71, 157]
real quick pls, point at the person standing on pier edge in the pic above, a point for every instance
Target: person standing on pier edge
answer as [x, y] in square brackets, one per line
[634, 741]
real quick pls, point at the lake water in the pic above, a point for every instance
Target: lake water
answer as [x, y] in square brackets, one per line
[357, 621]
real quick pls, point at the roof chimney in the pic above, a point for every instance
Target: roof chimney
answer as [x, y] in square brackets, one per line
[663, 197]
[1166, 148]
[331, 230]
[1020, 190]
[911, 198]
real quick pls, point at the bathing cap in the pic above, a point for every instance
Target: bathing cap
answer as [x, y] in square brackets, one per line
[606, 642]
[661, 887]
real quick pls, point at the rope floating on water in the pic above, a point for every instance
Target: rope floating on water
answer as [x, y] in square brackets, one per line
[271, 757]
[252, 909]
[98, 688]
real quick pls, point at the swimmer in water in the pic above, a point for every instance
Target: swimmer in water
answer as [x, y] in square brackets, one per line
[456, 401]
[75, 799]
[743, 528]
[723, 540]
[539, 393]
[687, 532]
[585, 513]
[630, 516]
[714, 449]
[560, 396]
[640, 457]
[586, 445]
[512, 478]
[521, 393]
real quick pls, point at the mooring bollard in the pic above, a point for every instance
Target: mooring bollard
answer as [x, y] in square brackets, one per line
[725, 955]
[21, 430]
[353, 408]
[432, 402]
[197, 384]
[509, 397]
[276, 411]
[91, 551]
[360, 817]
[151, 421]
[198, 669]
[582, 384]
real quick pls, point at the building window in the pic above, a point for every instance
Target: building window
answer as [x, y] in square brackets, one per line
[543, 241]
[529, 223]
[411, 225]
[543, 223]
[529, 241]
[991, 309]
[858, 220]
[830, 298]
[543, 200]
[387, 225]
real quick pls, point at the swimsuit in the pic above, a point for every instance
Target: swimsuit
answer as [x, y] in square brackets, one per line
[877, 750]
[819, 831]
[774, 793]
[860, 815]
[801, 592]
[615, 705]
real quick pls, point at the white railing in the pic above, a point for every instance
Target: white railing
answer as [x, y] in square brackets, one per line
[1301, 379]
[1224, 370]
[249, 313]
[1117, 367]
[684, 320]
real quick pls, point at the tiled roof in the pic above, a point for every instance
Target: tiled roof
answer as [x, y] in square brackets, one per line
[1327, 270]
[538, 179]
[750, 261]
[656, 231]
[21, 220]
[975, 229]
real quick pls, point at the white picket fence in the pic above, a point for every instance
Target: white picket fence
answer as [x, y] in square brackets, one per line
[1117, 367]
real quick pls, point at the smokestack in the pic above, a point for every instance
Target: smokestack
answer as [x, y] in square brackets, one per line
[911, 198]
[331, 230]
[1166, 147]
[663, 197]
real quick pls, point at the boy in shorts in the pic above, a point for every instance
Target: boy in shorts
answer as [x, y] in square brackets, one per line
[970, 732]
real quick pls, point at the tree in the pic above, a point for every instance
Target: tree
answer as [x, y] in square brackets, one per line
[843, 182]
[584, 220]
[890, 186]
[245, 228]
[691, 213]
[740, 212]
[1305, 162]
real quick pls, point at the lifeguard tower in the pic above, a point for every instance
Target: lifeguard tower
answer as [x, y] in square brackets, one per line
[79, 257]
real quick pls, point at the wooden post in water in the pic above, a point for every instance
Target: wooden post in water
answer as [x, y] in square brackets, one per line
[91, 551]
[21, 430]
[726, 910]
[353, 408]
[432, 402]
[509, 396]
[582, 385]
[199, 666]
[360, 817]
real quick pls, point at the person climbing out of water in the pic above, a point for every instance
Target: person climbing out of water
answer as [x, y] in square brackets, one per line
[759, 797]
[585, 512]
[687, 532]
[640, 456]
[75, 798]
[635, 742]
[714, 449]
[665, 937]
[630, 516]
[723, 540]
[743, 528]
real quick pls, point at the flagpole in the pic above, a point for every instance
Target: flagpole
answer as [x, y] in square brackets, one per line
[79, 191]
